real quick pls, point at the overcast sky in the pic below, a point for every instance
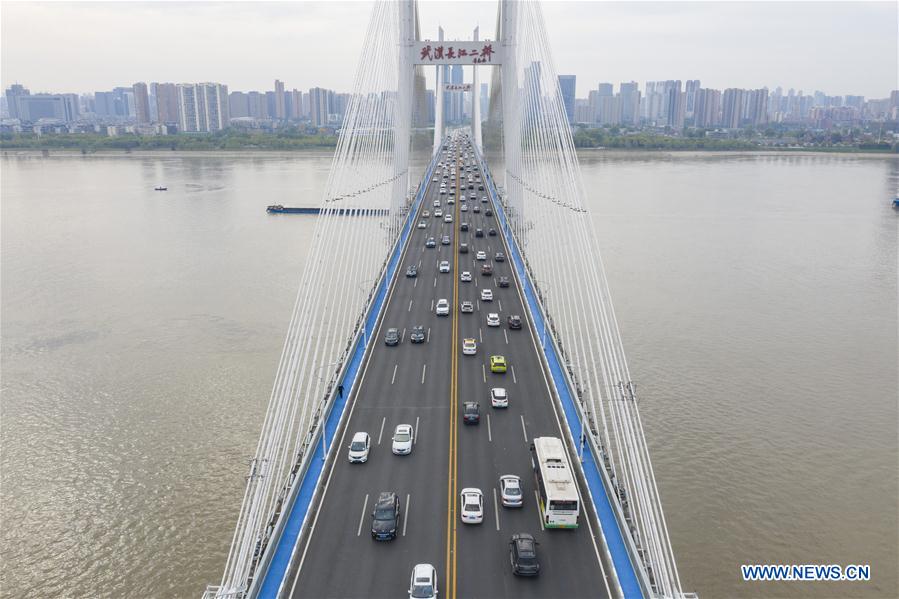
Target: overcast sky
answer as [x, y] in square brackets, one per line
[837, 47]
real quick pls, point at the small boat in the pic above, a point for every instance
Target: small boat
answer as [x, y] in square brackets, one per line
[160, 188]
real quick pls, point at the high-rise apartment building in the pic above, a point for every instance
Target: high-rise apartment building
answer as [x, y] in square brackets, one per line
[630, 102]
[280, 112]
[238, 104]
[141, 102]
[167, 104]
[690, 89]
[321, 105]
[756, 106]
[296, 105]
[707, 108]
[732, 108]
[203, 107]
[567, 86]
[605, 89]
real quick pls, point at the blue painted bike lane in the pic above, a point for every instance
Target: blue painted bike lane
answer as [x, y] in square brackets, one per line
[299, 512]
[624, 568]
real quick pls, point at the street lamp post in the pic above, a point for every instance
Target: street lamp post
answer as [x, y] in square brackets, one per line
[323, 431]
[364, 331]
[540, 285]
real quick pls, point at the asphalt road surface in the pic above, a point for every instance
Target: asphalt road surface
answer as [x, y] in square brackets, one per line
[425, 385]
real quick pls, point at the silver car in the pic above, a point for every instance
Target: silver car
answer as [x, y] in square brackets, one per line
[510, 489]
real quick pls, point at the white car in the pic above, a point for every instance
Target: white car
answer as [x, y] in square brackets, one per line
[467, 307]
[472, 506]
[443, 191]
[464, 208]
[436, 203]
[444, 267]
[438, 213]
[486, 295]
[422, 225]
[481, 255]
[499, 398]
[510, 489]
[359, 448]
[469, 347]
[465, 277]
[448, 218]
[451, 201]
[403, 439]
[442, 308]
[492, 319]
[424, 582]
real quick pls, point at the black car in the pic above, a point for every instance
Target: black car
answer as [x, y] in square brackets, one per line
[445, 240]
[514, 321]
[523, 555]
[491, 232]
[417, 335]
[431, 243]
[385, 518]
[471, 186]
[412, 271]
[479, 232]
[500, 257]
[488, 212]
[487, 270]
[480, 188]
[463, 226]
[503, 281]
[463, 248]
[392, 337]
[471, 412]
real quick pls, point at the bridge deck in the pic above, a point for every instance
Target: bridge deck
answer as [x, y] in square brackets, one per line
[424, 385]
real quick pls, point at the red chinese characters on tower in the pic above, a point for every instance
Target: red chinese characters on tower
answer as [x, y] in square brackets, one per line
[426, 53]
[438, 53]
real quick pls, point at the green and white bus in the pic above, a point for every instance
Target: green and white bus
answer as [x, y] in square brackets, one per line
[556, 488]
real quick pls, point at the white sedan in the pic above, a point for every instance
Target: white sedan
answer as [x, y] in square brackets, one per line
[482, 255]
[472, 506]
[499, 398]
[422, 225]
[424, 582]
[438, 213]
[486, 295]
[469, 347]
[448, 218]
[510, 489]
[492, 319]
[442, 307]
[465, 277]
[445, 267]
[403, 439]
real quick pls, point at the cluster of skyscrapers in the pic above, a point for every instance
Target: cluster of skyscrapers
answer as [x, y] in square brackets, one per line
[169, 107]
[209, 107]
[675, 105]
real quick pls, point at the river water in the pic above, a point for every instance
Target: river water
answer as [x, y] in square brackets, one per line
[141, 331]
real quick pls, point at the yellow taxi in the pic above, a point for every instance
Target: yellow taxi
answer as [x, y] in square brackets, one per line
[497, 363]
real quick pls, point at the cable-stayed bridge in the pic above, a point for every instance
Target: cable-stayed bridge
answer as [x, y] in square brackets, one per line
[305, 519]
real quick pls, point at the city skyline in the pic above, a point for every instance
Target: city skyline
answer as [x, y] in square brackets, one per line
[756, 44]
